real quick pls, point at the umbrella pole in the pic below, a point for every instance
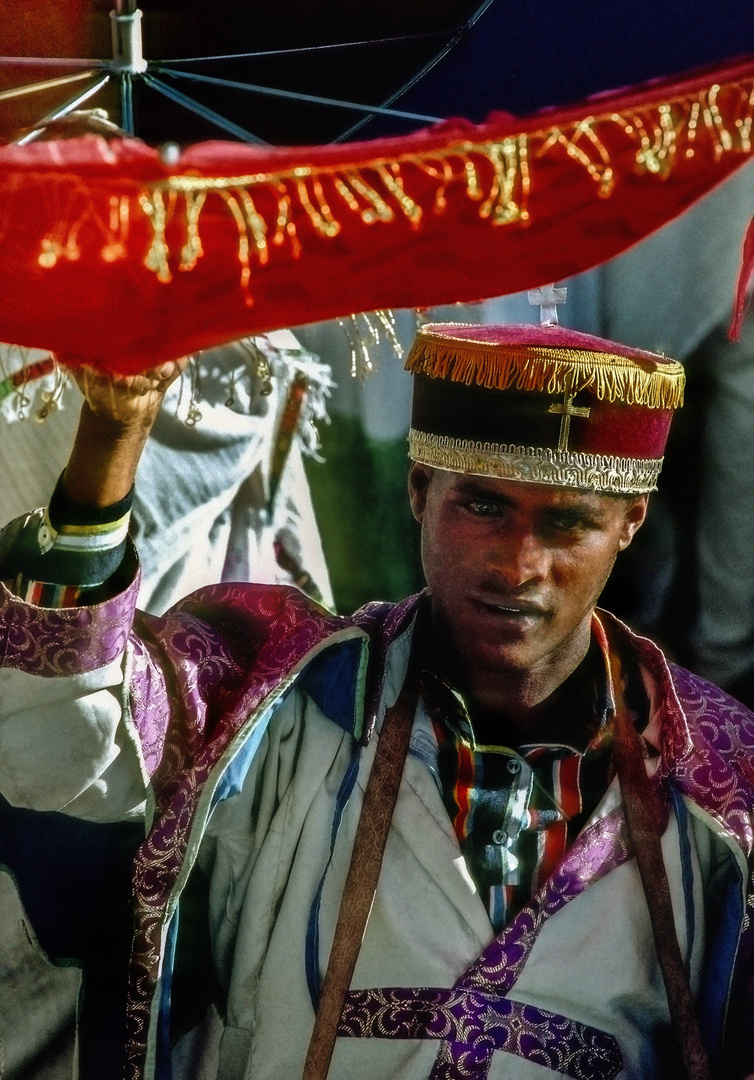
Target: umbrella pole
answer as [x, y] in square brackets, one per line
[126, 103]
[128, 56]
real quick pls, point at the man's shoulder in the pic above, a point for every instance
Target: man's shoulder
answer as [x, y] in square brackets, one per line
[262, 635]
[256, 633]
[265, 606]
[725, 722]
[270, 609]
[696, 719]
[697, 696]
[717, 769]
[268, 630]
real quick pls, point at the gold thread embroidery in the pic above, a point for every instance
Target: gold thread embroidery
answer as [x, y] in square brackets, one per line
[744, 123]
[391, 178]
[716, 124]
[536, 464]
[379, 209]
[473, 187]
[320, 215]
[285, 224]
[600, 171]
[120, 210]
[509, 193]
[567, 410]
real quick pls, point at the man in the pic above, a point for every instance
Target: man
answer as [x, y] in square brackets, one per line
[564, 880]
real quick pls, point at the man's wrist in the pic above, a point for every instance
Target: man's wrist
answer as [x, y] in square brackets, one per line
[61, 553]
[67, 515]
[104, 459]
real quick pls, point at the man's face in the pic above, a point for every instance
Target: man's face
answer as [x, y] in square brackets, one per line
[515, 569]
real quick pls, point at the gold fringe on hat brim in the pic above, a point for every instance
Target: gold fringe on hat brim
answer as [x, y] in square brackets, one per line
[554, 371]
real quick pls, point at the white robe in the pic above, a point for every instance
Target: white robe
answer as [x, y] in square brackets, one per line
[265, 849]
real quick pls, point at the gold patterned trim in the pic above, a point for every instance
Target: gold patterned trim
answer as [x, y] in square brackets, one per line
[536, 464]
[652, 383]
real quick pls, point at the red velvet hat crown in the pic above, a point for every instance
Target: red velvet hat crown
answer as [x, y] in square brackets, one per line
[543, 404]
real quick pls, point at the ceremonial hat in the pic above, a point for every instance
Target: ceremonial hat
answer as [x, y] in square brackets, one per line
[542, 404]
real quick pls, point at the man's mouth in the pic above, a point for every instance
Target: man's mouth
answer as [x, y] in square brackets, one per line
[516, 612]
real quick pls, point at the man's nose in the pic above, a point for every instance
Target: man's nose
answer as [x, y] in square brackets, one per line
[520, 558]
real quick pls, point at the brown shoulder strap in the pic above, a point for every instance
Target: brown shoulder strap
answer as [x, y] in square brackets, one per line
[361, 883]
[642, 816]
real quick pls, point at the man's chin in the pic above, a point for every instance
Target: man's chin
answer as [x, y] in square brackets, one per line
[498, 643]
[499, 655]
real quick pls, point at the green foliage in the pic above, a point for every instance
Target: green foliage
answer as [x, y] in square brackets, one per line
[370, 538]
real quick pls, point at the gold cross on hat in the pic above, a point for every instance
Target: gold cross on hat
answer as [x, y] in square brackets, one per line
[566, 409]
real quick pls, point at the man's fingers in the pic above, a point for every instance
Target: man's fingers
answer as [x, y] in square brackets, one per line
[163, 375]
[92, 380]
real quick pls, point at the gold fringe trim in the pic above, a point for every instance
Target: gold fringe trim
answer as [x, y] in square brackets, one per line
[536, 464]
[608, 376]
[498, 175]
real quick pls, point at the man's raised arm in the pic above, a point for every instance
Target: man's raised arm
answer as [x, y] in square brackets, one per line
[63, 554]
[66, 614]
[116, 418]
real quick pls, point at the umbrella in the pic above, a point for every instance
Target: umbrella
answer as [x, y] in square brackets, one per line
[121, 255]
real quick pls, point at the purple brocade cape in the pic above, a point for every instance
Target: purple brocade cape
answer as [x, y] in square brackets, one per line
[195, 677]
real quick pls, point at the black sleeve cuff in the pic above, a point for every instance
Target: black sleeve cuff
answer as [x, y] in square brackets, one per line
[62, 511]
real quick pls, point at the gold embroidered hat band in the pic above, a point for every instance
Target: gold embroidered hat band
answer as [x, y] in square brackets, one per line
[543, 404]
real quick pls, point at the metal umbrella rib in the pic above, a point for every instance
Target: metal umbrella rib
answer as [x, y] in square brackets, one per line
[400, 39]
[294, 95]
[201, 110]
[63, 110]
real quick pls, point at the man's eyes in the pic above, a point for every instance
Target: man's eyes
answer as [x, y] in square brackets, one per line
[569, 522]
[483, 507]
[565, 521]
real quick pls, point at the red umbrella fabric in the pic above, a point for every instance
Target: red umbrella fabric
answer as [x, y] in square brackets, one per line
[112, 256]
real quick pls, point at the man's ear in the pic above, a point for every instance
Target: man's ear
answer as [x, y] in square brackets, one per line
[418, 483]
[636, 512]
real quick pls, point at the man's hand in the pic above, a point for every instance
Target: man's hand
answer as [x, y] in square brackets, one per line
[116, 418]
[127, 400]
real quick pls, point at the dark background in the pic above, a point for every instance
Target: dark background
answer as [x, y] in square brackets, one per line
[470, 58]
